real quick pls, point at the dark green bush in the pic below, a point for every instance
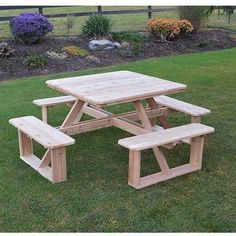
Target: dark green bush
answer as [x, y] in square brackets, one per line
[36, 60]
[129, 37]
[197, 15]
[97, 25]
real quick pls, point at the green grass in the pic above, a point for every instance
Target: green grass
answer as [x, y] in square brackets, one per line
[136, 22]
[96, 196]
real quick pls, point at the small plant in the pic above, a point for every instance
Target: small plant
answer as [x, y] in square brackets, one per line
[29, 27]
[132, 50]
[197, 15]
[129, 37]
[169, 29]
[69, 23]
[76, 51]
[97, 25]
[204, 44]
[36, 60]
[5, 50]
[57, 55]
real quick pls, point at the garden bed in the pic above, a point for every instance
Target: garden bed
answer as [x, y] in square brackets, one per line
[15, 67]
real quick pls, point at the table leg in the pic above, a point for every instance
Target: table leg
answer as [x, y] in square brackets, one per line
[147, 125]
[73, 114]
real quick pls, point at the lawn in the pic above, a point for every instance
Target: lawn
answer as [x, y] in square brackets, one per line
[136, 21]
[96, 197]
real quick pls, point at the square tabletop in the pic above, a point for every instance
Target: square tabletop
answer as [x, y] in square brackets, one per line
[114, 87]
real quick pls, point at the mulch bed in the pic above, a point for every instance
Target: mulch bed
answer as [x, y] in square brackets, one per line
[14, 67]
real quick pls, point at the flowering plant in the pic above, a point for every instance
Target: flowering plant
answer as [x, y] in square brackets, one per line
[29, 27]
[169, 28]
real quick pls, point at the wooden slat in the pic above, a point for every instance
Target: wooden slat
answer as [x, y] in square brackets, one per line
[114, 87]
[41, 132]
[181, 106]
[54, 101]
[166, 136]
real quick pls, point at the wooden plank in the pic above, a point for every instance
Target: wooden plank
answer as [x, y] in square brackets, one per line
[159, 177]
[114, 87]
[54, 101]
[196, 151]
[41, 132]
[45, 114]
[181, 106]
[58, 160]
[46, 159]
[73, 114]
[166, 136]
[34, 162]
[25, 144]
[134, 168]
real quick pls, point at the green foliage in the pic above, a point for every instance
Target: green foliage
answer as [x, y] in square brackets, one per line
[129, 37]
[69, 22]
[97, 25]
[228, 11]
[197, 15]
[75, 51]
[204, 44]
[36, 60]
[134, 49]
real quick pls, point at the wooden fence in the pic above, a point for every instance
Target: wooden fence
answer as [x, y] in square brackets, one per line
[148, 10]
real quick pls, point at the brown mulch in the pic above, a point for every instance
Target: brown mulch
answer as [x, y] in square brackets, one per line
[14, 67]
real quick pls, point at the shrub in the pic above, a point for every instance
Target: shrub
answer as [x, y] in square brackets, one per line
[36, 60]
[204, 44]
[29, 27]
[169, 29]
[129, 37]
[76, 51]
[97, 25]
[56, 55]
[132, 50]
[197, 15]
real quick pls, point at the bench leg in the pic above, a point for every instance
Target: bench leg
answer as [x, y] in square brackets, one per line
[58, 162]
[196, 151]
[25, 144]
[45, 114]
[134, 168]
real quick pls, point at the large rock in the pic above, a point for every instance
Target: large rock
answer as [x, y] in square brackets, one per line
[5, 50]
[103, 45]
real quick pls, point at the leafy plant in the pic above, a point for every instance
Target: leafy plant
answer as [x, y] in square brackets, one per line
[69, 23]
[132, 50]
[204, 44]
[76, 51]
[29, 27]
[36, 60]
[129, 37]
[56, 55]
[97, 25]
[169, 29]
[197, 15]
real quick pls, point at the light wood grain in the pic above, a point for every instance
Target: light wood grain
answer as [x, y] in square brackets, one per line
[114, 87]
[54, 101]
[41, 132]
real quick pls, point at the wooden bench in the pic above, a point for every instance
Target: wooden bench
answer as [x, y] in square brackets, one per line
[194, 111]
[52, 139]
[136, 144]
[45, 103]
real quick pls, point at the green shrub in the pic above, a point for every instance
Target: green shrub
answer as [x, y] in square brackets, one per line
[97, 25]
[204, 44]
[129, 37]
[69, 22]
[197, 15]
[132, 50]
[36, 60]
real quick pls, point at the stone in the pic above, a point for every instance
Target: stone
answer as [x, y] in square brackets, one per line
[6, 50]
[232, 37]
[93, 58]
[103, 45]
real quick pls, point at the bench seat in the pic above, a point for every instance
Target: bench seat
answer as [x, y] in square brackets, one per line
[193, 131]
[181, 106]
[166, 136]
[30, 128]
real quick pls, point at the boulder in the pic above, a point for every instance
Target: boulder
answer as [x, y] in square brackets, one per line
[5, 50]
[103, 45]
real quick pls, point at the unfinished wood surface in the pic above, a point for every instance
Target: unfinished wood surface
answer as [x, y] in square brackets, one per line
[73, 114]
[114, 87]
[196, 151]
[166, 136]
[25, 144]
[181, 106]
[58, 160]
[147, 125]
[54, 101]
[45, 114]
[41, 132]
[46, 159]
[134, 168]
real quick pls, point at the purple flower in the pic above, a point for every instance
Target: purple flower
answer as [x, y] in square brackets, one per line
[30, 27]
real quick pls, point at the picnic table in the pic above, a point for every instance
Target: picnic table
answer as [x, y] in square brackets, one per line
[91, 94]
